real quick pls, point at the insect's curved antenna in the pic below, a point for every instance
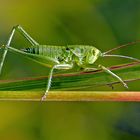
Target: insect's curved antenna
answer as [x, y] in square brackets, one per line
[122, 56]
[121, 46]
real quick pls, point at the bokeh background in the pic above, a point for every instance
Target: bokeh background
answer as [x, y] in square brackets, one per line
[102, 23]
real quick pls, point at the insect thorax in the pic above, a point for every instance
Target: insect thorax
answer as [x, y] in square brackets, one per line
[79, 54]
[84, 55]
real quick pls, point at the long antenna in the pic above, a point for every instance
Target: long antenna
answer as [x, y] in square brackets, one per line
[122, 56]
[121, 46]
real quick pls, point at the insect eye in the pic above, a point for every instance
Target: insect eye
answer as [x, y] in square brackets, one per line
[67, 49]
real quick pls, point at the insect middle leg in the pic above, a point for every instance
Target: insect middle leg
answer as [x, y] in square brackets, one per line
[113, 74]
[59, 66]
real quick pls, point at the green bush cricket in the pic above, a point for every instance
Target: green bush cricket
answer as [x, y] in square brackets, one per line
[61, 57]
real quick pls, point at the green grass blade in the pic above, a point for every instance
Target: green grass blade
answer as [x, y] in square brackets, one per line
[70, 96]
[65, 86]
[75, 81]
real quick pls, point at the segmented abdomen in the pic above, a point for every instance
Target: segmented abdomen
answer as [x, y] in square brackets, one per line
[45, 50]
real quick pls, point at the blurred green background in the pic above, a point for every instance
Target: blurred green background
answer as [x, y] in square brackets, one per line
[102, 23]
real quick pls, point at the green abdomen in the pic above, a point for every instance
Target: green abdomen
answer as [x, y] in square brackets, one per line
[45, 50]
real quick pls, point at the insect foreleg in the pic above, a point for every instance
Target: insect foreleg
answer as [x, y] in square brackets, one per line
[113, 74]
[60, 66]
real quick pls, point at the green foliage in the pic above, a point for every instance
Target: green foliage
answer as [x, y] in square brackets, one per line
[76, 80]
[102, 23]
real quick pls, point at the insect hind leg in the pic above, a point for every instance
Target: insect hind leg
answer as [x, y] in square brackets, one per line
[26, 35]
[23, 33]
[6, 49]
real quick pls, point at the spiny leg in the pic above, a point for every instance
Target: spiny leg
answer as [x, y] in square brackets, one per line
[60, 66]
[26, 35]
[113, 74]
[95, 69]
[23, 33]
[6, 49]
[48, 84]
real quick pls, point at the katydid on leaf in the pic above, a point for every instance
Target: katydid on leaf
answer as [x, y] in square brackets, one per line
[60, 57]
